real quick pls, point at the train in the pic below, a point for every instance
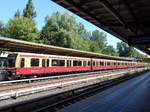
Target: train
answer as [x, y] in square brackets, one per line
[18, 65]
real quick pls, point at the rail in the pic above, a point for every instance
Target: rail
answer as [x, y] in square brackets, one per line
[58, 77]
[22, 92]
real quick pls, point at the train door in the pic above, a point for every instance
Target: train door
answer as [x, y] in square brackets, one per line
[45, 65]
[45, 62]
[69, 63]
[91, 64]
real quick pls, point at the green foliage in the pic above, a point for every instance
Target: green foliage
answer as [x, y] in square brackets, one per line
[126, 51]
[100, 38]
[110, 50]
[17, 13]
[2, 29]
[60, 30]
[28, 11]
[63, 30]
[94, 47]
[22, 28]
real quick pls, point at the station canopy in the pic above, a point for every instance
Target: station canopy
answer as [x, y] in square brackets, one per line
[14, 45]
[128, 20]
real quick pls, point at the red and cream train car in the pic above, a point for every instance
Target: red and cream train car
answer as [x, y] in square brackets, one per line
[30, 64]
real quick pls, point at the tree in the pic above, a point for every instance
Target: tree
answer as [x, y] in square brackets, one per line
[2, 29]
[126, 51]
[61, 30]
[100, 38]
[110, 50]
[122, 49]
[22, 28]
[94, 47]
[17, 13]
[28, 11]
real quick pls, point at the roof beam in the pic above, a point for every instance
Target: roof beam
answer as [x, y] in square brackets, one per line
[130, 10]
[115, 13]
[136, 21]
[139, 40]
[74, 4]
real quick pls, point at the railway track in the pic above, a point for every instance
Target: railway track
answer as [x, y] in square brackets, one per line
[85, 94]
[78, 95]
[22, 88]
[20, 84]
[33, 80]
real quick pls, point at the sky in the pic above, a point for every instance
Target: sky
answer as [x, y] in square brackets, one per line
[44, 8]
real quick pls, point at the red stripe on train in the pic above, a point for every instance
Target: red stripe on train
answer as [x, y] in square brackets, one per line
[41, 70]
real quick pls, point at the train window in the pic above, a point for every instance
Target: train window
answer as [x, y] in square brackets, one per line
[93, 63]
[108, 63]
[101, 63]
[77, 63]
[84, 63]
[12, 60]
[58, 62]
[68, 62]
[43, 62]
[97, 64]
[47, 62]
[3, 62]
[89, 63]
[22, 62]
[34, 62]
[80, 63]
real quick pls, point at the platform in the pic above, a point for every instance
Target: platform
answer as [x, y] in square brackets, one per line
[130, 96]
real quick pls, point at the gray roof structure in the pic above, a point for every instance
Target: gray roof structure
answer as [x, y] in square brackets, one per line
[14, 45]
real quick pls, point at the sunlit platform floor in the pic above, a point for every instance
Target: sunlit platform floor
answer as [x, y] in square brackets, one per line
[130, 96]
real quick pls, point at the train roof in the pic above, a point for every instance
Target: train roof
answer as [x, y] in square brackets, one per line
[14, 45]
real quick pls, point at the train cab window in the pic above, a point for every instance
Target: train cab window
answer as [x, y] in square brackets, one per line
[68, 62]
[58, 62]
[12, 60]
[11, 63]
[3, 62]
[22, 62]
[34, 62]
